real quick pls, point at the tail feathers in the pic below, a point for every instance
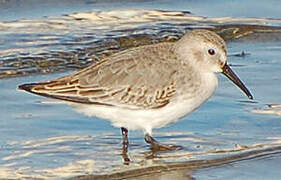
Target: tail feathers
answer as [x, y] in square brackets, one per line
[27, 87]
[48, 89]
[30, 87]
[40, 89]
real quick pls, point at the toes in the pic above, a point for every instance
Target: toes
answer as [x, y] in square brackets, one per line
[164, 147]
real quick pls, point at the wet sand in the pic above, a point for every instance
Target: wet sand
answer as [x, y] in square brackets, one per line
[229, 137]
[185, 170]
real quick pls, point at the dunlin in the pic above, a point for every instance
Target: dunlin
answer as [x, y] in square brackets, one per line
[146, 87]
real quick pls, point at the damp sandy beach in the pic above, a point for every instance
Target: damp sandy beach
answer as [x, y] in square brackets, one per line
[228, 137]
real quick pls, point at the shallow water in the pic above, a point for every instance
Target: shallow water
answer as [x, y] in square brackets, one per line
[41, 138]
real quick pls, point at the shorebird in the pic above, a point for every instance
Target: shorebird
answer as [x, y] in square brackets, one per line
[146, 87]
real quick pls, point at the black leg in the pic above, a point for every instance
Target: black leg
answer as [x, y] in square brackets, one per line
[156, 146]
[124, 132]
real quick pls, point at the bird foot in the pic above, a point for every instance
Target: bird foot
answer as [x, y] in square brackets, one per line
[156, 146]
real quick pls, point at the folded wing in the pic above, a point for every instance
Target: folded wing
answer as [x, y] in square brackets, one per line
[137, 78]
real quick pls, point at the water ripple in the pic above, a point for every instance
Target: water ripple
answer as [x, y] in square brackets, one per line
[79, 39]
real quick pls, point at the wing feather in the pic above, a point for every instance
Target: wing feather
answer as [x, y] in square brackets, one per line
[137, 78]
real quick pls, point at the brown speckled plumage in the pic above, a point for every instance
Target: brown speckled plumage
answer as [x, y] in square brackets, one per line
[143, 77]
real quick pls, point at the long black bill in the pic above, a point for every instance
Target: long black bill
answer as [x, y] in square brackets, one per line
[232, 76]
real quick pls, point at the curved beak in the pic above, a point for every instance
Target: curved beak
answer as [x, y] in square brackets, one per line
[232, 76]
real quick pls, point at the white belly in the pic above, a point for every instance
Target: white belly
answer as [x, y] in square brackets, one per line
[149, 119]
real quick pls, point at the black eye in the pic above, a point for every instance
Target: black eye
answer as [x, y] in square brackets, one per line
[211, 51]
